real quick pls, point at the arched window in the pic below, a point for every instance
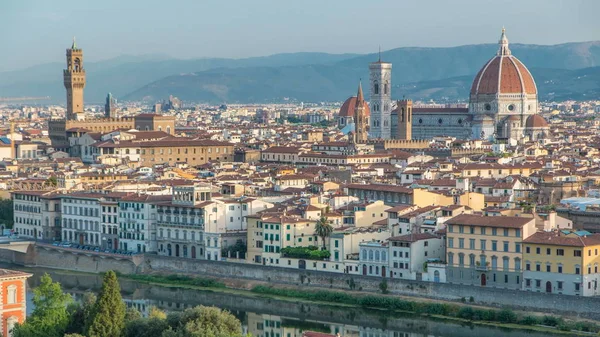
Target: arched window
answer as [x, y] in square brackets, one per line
[370, 255]
[450, 259]
[77, 64]
[386, 88]
[402, 112]
[364, 254]
[377, 255]
[376, 88]
[383, 256]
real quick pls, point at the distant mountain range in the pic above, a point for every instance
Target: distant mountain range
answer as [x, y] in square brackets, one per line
[565, 71]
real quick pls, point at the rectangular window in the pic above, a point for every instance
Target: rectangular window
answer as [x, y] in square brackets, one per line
[506, 246]
[450, 242]
[538, 283]
[471, 243]
[527, 250]
[482, 243]
[548, 251]
[577, 253]
[538, 267]
[472, 230]
[560, 252]
[559, 269]
[505, 231]
[577, 270]
[527, 266]
[494, 246]
[518, 232]
[548, 268]
[518, 247]
[482, 230]
[461, 229]
[528, 282]
[450, 229]
[461, 243]
[538, 250]
[494, 231]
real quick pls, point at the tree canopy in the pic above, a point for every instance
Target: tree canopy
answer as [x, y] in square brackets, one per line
[49, 317]
[109, 313]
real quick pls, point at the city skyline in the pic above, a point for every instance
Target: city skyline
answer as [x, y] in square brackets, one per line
[195, 30]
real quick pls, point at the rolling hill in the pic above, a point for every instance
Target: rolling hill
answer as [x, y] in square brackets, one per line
[561, 71]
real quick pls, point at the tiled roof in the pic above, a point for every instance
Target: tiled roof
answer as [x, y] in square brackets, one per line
[489, 221]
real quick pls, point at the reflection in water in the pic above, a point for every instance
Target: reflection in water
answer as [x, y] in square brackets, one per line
[264, 317]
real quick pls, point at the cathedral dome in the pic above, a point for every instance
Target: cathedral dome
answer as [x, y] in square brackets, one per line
[536, 121]
[347, 109]
[504, 74]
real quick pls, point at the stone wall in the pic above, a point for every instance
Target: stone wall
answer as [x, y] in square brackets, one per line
[552, 303]
[145, 264]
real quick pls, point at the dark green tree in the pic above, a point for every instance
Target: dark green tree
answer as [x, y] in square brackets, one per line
[50, 317]
[323, 229]
[145, 327]
[81, 313]
[109, 313]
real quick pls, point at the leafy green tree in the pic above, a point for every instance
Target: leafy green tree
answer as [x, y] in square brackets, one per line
[81, 314]
[6, 212]
[109, 313]
[132, 314]
[204, 321]
[155, 312]
[323, 229]
[52, 181]
[50, 317]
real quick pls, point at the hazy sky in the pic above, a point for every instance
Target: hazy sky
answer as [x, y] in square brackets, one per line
[38, 31]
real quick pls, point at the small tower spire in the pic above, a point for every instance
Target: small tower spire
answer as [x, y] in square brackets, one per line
[74, 46]
[379, 53]
[503, 43]
[359, 96]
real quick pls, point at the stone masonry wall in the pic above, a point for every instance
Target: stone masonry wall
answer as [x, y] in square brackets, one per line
[552, 303]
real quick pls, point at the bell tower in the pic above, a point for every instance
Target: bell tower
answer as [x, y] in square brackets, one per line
[74, 80]
[360, 120]
[404, 119]
[381, 101]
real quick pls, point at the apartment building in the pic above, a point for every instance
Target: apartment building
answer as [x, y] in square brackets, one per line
[408, 254]
[562, 262]
[27, 208]
[184, 224]
[137, 222]
[486, 251]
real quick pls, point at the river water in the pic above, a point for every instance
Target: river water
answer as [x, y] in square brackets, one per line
[272, 318]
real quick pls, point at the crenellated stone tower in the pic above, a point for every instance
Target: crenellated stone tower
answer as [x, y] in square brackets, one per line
[74, 80]
[404, 111]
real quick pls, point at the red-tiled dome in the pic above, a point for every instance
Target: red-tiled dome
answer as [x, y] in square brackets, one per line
[536, 121]
[347, 109]
[504, 74]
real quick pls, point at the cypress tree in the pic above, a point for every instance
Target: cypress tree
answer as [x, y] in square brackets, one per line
[109, 313]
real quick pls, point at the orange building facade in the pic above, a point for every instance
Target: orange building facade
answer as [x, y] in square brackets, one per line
[13, 299]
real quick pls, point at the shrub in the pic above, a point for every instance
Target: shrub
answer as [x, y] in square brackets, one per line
[506, 316]
[551, 321]
[530, 320]
[383, 286]
[471, 299]
[466, 313]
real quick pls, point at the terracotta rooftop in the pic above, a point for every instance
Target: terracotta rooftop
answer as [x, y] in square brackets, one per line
[489, 221]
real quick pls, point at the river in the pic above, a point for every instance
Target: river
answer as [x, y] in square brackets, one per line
[272, 318]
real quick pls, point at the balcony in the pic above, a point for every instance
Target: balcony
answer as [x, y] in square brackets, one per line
[482, 267]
